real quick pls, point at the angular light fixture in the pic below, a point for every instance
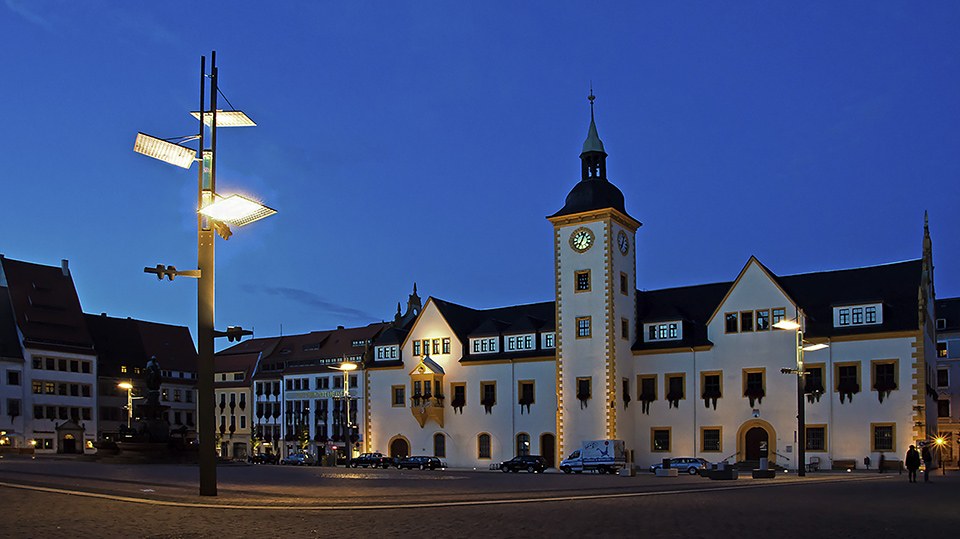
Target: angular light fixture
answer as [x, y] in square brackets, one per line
[787, 324]
[814, 347]
[236, 210]
[226, 118]
[165, 151]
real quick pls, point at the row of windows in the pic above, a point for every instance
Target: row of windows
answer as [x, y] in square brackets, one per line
[667, 331]
[62, 365]
[884, 376]
[438, 346]
[388, 352]
[233, 422]
[882, 438]
[320, 382]
[42, 387]
[526, 393]
[75, 413]
[750, 321]
[860, 315]
[179, 395]
[512, 343]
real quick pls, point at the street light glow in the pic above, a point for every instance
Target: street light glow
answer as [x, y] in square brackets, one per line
[165, 151]
[225, 118]
[787, 324]
[236, 210]
[125, 385]
[345, 366]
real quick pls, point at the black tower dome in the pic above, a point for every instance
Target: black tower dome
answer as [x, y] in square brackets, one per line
[593, 191]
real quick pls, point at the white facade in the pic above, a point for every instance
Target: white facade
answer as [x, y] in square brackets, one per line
[393, 422]
[59, 391]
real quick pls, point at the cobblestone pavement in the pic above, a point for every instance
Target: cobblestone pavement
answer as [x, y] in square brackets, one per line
[275, 501]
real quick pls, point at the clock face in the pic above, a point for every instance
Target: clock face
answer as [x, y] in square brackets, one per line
[581, 239]
[623, 243]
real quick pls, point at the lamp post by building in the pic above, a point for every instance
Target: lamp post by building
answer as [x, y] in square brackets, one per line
[346, 367]
[801, 346]
[940, 441]
[129, 387]
[215, 216]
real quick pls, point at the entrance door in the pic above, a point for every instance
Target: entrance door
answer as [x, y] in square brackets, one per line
[399, 448]
[548, 449]
[756, 441]
[69, 444]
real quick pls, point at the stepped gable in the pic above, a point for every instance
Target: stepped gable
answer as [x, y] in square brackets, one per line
[46, 307]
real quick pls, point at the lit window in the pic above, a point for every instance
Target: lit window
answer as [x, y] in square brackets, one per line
[583, 327]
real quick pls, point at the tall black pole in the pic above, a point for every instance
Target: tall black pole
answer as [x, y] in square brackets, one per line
[801, 412]
[205, 293]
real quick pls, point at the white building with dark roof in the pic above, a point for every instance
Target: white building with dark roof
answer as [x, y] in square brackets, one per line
[690, 371]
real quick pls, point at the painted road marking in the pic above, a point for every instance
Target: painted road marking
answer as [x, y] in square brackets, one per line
[502, 501]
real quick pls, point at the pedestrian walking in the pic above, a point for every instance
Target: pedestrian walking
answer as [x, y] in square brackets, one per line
[882, 459]
[913, 463]
[927, 462]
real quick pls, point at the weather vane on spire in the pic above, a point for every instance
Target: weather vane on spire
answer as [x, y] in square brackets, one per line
[591, 97]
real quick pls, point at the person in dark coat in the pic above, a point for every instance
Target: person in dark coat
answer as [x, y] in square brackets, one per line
[927, 462]
[913, 463]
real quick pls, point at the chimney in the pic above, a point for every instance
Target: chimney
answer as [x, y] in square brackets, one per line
[65, 267]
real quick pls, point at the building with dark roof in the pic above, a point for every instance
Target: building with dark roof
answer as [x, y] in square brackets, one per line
[477, 386]
[48, 361]
[123, 346]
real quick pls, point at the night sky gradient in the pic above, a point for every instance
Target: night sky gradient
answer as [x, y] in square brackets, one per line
[426, 142]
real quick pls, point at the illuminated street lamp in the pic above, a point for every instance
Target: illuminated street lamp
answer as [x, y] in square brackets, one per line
[129, 387]
[215, 215]
[940, 441]
[801, 347]
[346, 367]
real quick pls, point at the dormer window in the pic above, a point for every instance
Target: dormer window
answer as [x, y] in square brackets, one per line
[858, 315]
[664, 331]
[485, 345]
[520, 342]
[549, 340]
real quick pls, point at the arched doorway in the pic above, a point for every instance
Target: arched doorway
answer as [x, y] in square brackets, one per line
[399, 448]
[756, 439]
[548, 448]
[756, 444]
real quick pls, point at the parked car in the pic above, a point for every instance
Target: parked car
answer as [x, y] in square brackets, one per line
[422, 463]
[530, 463]
[298, 459]
[262, 458]
[368, 459]
[690, 465]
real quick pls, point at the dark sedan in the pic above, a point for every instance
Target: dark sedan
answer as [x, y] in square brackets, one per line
[530, 463]
[421, 463]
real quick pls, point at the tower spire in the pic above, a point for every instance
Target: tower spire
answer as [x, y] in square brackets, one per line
[593, 159]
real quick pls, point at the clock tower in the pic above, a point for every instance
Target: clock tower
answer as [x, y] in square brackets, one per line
[595, 272]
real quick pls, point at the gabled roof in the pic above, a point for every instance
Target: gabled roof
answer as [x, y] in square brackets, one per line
[312, 352]
[46, 306]
[514, 320]
[895, 285]
[127, 341]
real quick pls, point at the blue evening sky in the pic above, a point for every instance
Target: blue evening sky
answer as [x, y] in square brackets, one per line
[426, 141]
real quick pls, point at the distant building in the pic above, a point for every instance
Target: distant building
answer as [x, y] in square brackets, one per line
[48, 362]
[123, 347]
[948, 376]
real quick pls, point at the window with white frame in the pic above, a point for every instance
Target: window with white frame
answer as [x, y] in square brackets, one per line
[858, 315]
[388, 352]
[664, 331]
[549, 340]
[484, 345]
[520, 342]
